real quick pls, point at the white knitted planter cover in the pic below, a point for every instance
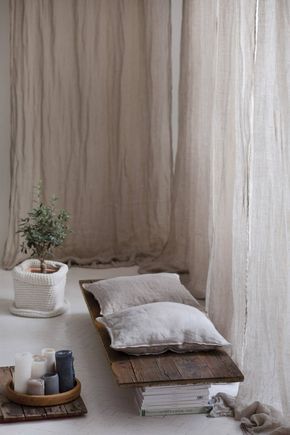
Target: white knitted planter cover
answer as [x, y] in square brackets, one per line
[39, 294]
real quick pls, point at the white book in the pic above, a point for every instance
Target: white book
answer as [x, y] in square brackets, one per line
[173, 392]
[184, 396]
[170, 411]
[150, 413]
[170, 406]
[171, 403]
[174, 388]
[175, 403]
[178, 393]
[175, 400]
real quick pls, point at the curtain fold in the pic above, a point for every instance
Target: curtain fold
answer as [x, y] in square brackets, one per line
[267, 333]
[91, 90]
[188, 242]
[231, 147]
[248, 280]
[248, 198]
[231, 198]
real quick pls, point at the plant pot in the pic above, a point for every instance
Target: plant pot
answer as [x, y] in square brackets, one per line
[39, 294]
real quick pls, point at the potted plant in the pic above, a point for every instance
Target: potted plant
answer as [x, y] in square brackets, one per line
[39, 284]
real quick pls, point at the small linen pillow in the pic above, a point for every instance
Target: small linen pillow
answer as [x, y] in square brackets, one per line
[117, 294]
[161, 326]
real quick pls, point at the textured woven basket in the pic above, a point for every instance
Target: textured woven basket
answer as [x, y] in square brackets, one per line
[39, 294]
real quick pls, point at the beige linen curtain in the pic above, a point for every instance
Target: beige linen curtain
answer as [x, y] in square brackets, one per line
[90, 84]
[188, 242]
[246, 189]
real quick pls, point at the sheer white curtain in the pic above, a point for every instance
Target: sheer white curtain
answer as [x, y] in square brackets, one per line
[232, 189]
[248, 280]
[90, 83]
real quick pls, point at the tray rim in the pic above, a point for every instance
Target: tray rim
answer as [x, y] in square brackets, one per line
[45, 400]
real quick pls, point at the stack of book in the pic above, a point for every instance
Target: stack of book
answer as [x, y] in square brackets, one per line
[175, 399]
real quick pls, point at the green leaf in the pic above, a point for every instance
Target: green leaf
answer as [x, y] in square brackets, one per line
[44, 228]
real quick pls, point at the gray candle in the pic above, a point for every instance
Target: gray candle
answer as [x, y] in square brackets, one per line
[65, 369]
[35, 387]
[51, 383]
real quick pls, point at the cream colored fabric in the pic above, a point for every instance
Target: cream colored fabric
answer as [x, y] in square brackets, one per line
[161, 326]
[188, 244]
[255, 417]
[119, 293]
[231, 193]
[248, 282]
[267, 323]
[90, 83]
[231, 152]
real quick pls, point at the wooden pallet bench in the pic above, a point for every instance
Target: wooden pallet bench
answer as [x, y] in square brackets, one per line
[170, 368]
[12, 412]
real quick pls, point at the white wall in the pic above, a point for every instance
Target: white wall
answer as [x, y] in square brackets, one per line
[4, 122]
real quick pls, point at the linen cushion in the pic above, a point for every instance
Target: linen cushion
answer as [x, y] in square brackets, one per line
[157, 327]
[116, 294]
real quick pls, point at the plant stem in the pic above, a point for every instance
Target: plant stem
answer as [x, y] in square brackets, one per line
[42, 266]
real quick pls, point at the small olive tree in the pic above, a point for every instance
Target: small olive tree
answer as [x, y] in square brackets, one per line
[43, 229]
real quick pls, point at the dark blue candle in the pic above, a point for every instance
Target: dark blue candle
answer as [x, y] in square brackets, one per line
[51, 383]
[65, 369]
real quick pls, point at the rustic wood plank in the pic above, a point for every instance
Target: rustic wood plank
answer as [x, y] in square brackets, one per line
[167, 365]
[222, 366]
[11, 412]
[123, 372]
[55, 411]
[2, 400]
[150, 370]
[5, 377]
[170, 368]
[77, 407]
[34, 413]
[191, 366]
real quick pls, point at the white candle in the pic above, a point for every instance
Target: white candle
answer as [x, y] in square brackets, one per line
[23, 363]
[50, 355]
[35, 387]
[38, 368]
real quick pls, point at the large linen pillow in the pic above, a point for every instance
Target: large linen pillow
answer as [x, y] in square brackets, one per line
[161, 326]
[117, 294]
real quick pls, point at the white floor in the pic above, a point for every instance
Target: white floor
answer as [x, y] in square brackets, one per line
[110, 408]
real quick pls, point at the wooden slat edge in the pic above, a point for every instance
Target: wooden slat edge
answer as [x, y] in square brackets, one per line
[117, 359]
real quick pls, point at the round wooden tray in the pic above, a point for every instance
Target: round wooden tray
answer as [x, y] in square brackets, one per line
[49, 400]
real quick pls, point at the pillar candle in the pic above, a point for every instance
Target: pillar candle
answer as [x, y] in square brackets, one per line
[35, 387]
[65, 370]
[50, 355]
[51, 384]
[23, 363]
[38, 368]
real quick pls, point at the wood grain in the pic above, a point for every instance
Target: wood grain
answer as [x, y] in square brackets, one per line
[49, 400]
[214, 366]
[75, 408]
[11, 412]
